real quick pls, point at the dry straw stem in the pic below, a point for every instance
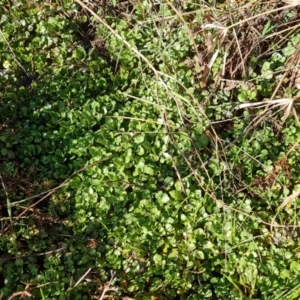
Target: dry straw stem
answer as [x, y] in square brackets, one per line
[186, 27]
[20, 294]
[292, 148]
[32, 255]
[13, 54]
[226, 29]
[109, 285]
[286, 201]
[295, 193]
[286, 104]
[7, 199]
[82, 277]
[292, 2]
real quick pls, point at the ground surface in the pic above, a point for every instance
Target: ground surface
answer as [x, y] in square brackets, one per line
[149, 150]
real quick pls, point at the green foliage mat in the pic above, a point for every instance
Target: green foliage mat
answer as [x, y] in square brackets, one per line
[177, 198]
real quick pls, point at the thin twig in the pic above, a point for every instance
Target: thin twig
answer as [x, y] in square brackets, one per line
[23, 293]
[7, 199]
[259, 15]
[83, 276]
[108, 286]
[13, 54]
[286, 201]
[32, 255]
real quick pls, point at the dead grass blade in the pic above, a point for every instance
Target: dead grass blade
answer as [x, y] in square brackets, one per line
[292, 2]
[8, 203]
[286, 104]
[286, 201]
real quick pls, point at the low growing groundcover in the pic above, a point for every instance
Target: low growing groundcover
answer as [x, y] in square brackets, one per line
[149, 150]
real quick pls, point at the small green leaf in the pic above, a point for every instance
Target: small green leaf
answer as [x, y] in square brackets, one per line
[165, 198]
[176, 195]
[295, 266]
[204, 140]
[139, 138]
[288, 255]
[183, 217]
[4, 151]
[141, 151]
[79, 53]
[6, 64]
[157, 258]
[178, 185]
[148, 170]
[173, 254]
[19, 262]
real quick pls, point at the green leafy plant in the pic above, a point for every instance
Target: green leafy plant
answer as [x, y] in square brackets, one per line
[131, 168]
